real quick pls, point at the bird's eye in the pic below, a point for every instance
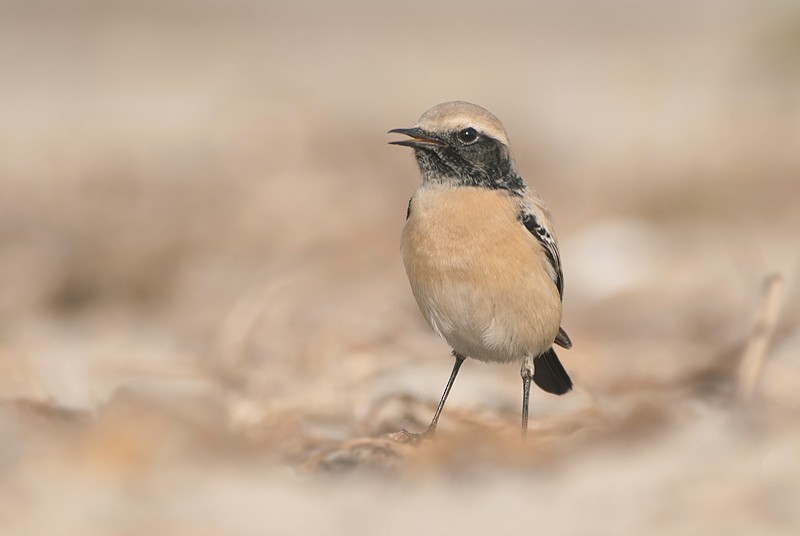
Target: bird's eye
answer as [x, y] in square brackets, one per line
[468, 135]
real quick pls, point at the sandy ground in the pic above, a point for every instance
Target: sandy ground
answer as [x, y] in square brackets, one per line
[205, 327]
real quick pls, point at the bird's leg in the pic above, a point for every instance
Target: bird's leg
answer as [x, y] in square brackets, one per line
[459, 359]
[527, 374]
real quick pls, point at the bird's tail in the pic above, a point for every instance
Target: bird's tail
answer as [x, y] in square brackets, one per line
[549, 374]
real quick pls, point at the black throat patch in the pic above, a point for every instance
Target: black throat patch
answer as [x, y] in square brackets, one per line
[485, 163]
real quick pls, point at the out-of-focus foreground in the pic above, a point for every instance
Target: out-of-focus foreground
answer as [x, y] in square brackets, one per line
[204, 323]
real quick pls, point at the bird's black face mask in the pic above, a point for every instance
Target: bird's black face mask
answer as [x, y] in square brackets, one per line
[483, 161]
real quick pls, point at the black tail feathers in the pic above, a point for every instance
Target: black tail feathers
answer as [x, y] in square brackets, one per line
[549, 374]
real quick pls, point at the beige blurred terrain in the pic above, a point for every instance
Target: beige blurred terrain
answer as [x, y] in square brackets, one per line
[205, 327]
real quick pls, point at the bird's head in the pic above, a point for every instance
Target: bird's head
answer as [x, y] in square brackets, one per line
[461, 144]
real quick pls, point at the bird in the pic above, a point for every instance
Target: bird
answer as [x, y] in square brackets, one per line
[480, 251]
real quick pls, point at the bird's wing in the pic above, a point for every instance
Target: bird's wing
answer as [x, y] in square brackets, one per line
[535, 218]
[562, 339]
[537, 225]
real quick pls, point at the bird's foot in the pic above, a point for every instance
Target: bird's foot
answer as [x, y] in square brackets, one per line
[411, 438]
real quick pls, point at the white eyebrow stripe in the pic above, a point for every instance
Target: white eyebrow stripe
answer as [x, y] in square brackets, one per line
[454, 116]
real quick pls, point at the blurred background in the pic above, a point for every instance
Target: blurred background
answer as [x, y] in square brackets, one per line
[205, 327]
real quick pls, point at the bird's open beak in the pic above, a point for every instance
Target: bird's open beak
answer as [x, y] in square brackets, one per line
[419, 139]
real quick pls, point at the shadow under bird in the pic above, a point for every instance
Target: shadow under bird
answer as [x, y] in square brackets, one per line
[480, 252]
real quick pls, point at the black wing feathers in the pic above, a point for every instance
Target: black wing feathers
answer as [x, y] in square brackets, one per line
[563, 340]
[550, 248]
[548, 245]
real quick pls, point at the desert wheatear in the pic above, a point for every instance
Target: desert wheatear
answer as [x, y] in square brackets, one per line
[480, 252]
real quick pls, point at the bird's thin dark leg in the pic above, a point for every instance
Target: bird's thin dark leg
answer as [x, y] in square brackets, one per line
[459, 359]
[527, 374]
